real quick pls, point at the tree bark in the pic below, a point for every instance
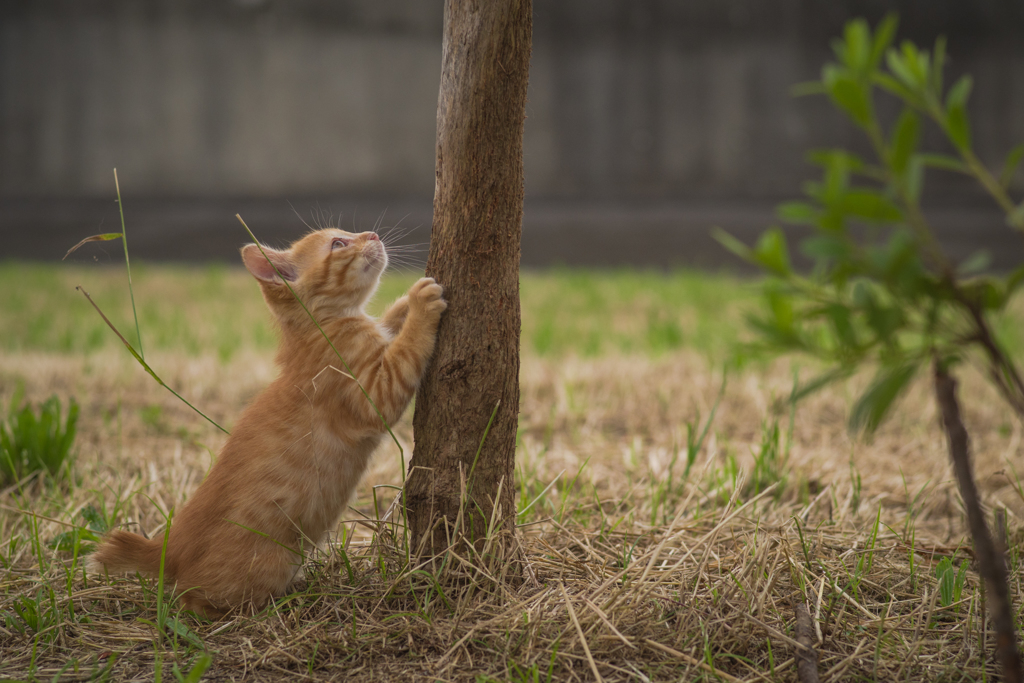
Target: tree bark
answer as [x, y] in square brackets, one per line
[474, 255]
[991, 565]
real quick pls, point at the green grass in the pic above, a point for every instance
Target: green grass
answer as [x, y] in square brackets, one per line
[197, 310]
[186, 309]
[36, 438]
[218, 309]
[591, 313]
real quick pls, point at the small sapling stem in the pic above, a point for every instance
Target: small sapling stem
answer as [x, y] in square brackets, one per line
[990, 563]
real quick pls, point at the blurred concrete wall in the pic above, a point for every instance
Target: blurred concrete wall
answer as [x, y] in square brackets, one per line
[215, 98]
[629, 99]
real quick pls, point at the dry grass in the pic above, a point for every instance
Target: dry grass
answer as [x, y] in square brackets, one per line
[626, 569]
[630, 572]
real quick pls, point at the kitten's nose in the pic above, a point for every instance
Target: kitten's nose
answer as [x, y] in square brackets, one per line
[373, 237]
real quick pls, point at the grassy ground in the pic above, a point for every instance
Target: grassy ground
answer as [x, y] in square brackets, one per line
[648, 553]
[198, 311]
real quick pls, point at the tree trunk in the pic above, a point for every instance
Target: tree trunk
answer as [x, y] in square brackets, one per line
[474, 254]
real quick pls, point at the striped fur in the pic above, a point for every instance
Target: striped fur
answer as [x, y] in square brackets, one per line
[298, 451]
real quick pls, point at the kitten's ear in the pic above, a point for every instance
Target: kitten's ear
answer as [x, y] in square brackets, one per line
[261, 269]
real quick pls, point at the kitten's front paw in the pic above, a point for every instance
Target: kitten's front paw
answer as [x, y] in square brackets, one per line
[425, 297]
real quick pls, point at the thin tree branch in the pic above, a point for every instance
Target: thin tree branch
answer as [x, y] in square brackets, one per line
[991, 565]
[807, 656]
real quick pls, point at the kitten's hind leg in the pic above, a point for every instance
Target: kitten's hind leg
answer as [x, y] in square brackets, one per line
[194, 602]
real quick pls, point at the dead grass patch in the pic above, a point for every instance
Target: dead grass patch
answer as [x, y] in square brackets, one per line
[628, 571]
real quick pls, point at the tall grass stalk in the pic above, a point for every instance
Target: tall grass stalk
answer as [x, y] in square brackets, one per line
[693, 445]
[127, 265]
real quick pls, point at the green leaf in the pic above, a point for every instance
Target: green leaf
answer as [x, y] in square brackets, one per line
[733, 244]
[943, 161]
[830, 157]
[95, 520]
[870, 205]
[902, 70]
[1010, 165]
[986, 292]
[836, 181]
[863, 296]
[958, 127]
[778, 327]
[183, 631]
[872, 407]
[798, 213]
[915, 178]
[976, 262]
[203, 663]
[820, 382]
[849, 95]
[884, 34]
[884, 320]
[29, 443]
[839, 317]
[904, 140]
[917, 61]
[780, 338]
[808, 88]
[105, 237]
[783, 316]
[892, 85]
[961, 578]
[782, 308]
[771, 252]
[69, 540]
[825, 247]
[946, 575]
[898, 264]
[856, 50]
[958, 94]
[1014, 280]
[1015, 219]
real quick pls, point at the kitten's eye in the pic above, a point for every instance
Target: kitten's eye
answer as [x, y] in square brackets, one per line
[338, 243]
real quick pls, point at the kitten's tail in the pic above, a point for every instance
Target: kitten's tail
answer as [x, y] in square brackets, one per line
[123, 551]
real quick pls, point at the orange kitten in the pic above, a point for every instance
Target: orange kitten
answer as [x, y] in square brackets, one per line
[297, 452]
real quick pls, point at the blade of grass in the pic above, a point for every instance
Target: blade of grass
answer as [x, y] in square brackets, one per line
[105, 237]
[476, 458]
[539, 495]
[144, 364]
[161, 607]
[266, 536]
[127, 265]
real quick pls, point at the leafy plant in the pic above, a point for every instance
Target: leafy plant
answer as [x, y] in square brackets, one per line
[769, 461]
[951, 581]
[36, 439]
[80, 539]
[882, 290]
[37, 614]
[138, 353]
